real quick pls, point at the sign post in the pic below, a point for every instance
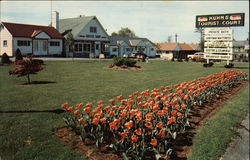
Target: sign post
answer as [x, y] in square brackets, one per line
[217, 34]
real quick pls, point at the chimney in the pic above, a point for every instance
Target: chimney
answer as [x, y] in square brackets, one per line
[55, 20]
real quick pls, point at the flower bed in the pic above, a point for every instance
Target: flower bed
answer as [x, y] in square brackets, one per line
[146, 122]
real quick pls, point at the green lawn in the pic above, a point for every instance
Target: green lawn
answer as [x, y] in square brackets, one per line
[29, 134]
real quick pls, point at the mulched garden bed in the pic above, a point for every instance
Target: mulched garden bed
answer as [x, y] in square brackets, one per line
[181, 147]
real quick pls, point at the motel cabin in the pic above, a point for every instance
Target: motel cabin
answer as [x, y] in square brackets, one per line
[90, 38]
[30, 39]
[127, 46]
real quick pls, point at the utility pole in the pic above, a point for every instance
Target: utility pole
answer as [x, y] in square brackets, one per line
[176, 37]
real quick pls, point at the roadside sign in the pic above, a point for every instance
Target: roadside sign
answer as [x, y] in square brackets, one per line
[218, 44]
[219, 50]
[217, 31]
[218, 38]
[216, 56]
[220, 20]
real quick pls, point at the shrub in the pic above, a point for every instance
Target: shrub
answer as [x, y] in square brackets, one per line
[5, 59]
[179, 60]
[26, 68]
[119, 61]
[18, 55]
[210, 64]
[230, 65]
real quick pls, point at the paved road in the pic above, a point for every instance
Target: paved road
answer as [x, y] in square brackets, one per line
[239, 148]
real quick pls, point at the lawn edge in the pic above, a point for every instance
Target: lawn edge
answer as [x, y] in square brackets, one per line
[212, 140]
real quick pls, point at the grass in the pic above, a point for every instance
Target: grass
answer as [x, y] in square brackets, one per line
[26, 126]
[214, 137]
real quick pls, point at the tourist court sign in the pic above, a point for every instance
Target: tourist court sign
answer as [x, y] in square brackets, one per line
[220, 20]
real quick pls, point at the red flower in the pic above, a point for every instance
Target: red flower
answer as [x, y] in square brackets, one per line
[77, 113]
[177, 107]
[119, 98]
[129, 124]
[154, 142]
[159, 125]
[65, 105]
[112, 101]
[70, 109]
[138, 131]
[87, 110]
[79, 106]
[95, 121]
[89, 105]
[149, 116]
[124, 135]
[171, 120]
[174, 113]
[149, 125]
[162, 132]
[81, 120]
[134, 138]
[183, 106]
[103, 120]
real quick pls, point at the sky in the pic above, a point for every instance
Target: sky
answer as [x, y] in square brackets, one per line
[155, 20]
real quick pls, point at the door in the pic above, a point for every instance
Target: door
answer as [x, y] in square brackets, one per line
[40, 47]
[97, 48]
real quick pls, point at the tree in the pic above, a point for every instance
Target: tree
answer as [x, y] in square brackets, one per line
[27, 67]
[69, 42]
[18, 55]
[5, 59]
[201, 31]
[126, 32]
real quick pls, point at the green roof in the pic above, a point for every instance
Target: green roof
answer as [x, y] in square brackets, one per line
[76, 24]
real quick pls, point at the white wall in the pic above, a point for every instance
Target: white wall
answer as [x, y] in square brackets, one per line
[86, 30]
[42, 35]
[5, 35]
[56, 49]
[23, 49]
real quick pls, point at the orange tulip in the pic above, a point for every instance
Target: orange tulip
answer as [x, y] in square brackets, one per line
[119, 98]
[177, 107]
[129, 125]
[161, 113]
[70, 109]
[162, 132]
[183, 106]
[180, 115]
[149, 125]
[103, 120]
[89, 105]
[134, 138]
[138, 131]
[124, 135]
[79, 106]
[107, 109]
[81, 120]
[87, 110]
[77, 113]
[174, 113]
[159, 125]
[171, 120]
[154, 142]
[100, 102]
[95, 121]
[112, 101]
[149, 116]
[65, 105]
[112, 114]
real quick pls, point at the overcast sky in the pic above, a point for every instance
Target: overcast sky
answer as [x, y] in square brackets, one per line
[155, 20]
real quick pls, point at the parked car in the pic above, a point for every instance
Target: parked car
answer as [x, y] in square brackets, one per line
[198, 55]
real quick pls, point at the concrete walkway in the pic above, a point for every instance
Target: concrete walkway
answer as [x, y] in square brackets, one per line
[239, 147]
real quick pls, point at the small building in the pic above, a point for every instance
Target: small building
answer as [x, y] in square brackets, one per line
[241, 50]
[169, 50]
[90, 38]
[30, 39]
[128, 46]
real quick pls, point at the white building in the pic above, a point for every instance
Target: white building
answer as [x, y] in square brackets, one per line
[30, 39]
[125, 46]
[90, 38]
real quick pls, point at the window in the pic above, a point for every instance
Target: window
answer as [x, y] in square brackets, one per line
[23, 43]
[54, 43]
[128, 49]
[5, 43]
[97, 36]
[97, 46]
[114, 49]
[91, 36]
[45, 45]
[82, 47]
[152, 49]
[93, 29]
